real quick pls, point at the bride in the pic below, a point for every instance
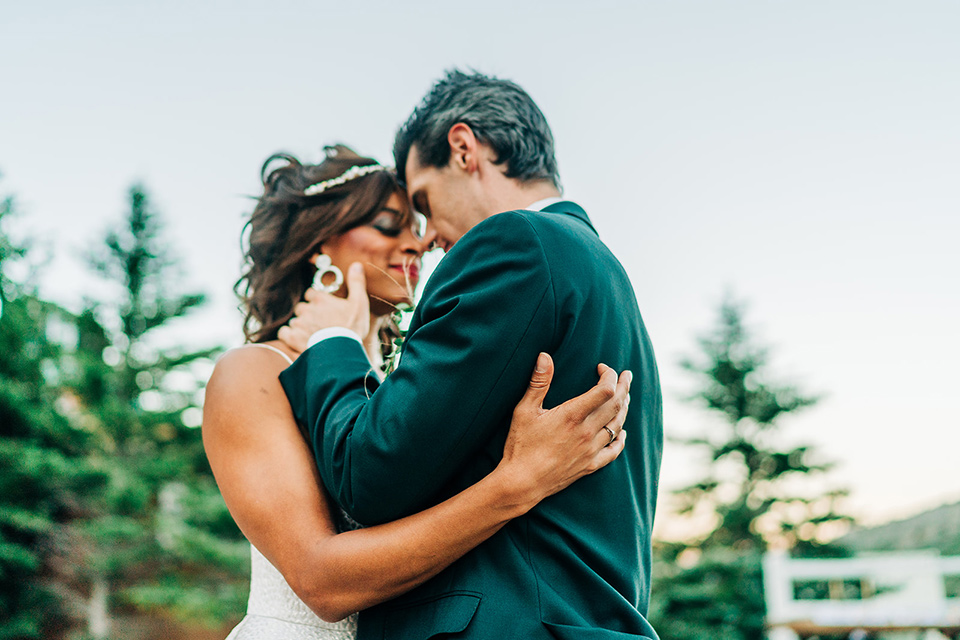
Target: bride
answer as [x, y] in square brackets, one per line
[312, 567]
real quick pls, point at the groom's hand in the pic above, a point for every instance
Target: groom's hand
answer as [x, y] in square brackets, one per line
[323, 310]
[601, 410]
[548, 449]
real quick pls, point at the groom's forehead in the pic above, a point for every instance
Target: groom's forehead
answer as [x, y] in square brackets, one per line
[415, 181]
[417, 175]
[413, 162]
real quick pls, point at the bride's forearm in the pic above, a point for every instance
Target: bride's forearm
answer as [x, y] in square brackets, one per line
[270, 483]
[358, 569]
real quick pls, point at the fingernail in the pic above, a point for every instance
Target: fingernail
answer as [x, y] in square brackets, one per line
[541, 363]
[356, 268]
[629, 376]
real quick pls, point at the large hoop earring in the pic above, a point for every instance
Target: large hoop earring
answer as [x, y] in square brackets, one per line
[326, 267]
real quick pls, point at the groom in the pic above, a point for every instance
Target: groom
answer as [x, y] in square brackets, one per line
[524, 272]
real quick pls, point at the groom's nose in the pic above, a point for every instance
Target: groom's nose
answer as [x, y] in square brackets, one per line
[411, 244]
[429, 239]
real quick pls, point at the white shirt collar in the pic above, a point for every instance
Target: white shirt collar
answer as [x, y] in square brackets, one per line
[540, 205]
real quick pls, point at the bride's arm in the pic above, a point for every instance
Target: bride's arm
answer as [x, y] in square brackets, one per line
[270, 483]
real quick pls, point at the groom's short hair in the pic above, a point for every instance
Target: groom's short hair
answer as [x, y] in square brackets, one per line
[501, 115]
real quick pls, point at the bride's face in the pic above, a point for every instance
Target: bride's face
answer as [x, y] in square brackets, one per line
[389, 251]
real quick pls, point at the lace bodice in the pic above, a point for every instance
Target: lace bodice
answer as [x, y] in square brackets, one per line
[274, 612]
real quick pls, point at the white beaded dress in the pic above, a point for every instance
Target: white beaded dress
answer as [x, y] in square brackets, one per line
[274, 612]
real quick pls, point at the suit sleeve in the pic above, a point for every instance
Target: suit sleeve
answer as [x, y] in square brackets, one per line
[385, 450]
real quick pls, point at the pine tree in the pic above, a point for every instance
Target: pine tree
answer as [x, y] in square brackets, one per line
[165, 541]
[48, 484]
[711, 586]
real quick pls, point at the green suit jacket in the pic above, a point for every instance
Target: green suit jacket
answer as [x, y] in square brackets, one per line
[578, 565]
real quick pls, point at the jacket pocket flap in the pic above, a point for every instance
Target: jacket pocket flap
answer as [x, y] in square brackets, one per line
[446, 613]
[568, 632]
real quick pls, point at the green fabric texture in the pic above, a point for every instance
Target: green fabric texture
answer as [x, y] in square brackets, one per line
[521, 282]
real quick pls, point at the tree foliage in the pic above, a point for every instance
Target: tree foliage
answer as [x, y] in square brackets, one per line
[165, 540]
[107, 505]
[48, 482]
[754, 492]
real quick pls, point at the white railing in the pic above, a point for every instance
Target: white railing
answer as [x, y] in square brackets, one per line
[903, 590]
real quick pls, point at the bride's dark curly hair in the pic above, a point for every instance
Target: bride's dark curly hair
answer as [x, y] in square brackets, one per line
[287, 228]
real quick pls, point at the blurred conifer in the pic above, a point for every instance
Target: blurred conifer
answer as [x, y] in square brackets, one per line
[755, 492]
[164, 541]
[48, 484]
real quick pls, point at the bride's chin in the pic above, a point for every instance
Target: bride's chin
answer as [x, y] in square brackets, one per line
[399, 296]
[387, 305]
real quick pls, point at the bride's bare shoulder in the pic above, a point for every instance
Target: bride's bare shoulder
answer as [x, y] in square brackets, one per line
[247, 374]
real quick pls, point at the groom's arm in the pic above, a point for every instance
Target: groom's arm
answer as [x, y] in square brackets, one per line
[384, 450]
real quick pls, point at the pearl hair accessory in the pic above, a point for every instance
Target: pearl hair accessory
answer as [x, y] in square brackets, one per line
[350, 174]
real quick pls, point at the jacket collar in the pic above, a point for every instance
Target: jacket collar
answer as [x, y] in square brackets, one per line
[570, 208]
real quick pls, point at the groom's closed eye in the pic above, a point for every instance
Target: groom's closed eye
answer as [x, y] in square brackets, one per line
[421, 204]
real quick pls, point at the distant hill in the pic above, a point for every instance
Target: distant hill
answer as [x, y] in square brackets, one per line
[935, 529]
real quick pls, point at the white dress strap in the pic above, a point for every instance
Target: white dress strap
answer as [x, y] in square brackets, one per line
[272, 348]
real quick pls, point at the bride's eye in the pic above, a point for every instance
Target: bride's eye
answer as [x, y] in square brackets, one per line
[388, 224]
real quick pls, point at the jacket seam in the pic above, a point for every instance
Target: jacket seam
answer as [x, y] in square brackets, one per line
[551, 280]
[547, 288]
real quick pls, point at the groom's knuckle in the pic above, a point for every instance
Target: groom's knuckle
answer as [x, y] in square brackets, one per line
[573, 416]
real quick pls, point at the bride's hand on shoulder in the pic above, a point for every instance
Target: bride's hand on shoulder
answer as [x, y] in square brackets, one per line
[547, 450]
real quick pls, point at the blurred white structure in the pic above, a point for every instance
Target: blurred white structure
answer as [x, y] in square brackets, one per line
[882, 594]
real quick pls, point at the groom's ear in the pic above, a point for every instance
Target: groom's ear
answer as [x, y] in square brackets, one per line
[464, 147]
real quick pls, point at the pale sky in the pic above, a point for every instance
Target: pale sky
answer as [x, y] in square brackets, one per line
[804, 155]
